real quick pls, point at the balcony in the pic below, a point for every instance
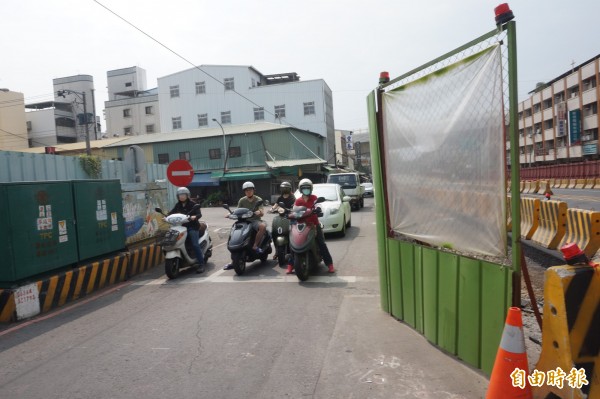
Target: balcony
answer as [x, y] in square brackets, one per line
[589, 96]
[539, 158]
[590, 122]
[537, 117]
[573, 103]
[547, 114]
[561, 152]
[521, 141]
[588, 71]
[549, 133]
[575, 151]
[539, 138]
[572, 79]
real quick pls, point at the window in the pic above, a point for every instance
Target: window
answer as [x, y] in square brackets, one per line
[235, 152]
[309, 108]
[149, 110]
[163, 158]
[174, 91]
[127, 131]
[202, 120]
[259, 114]
[559, 97]
[149, 128]
[176, 122]
[229, 84]
[226, 117]
[185, 155]
[280, 111]
[214, 153]
[253, 82]
[536, 108]
[527, 112]
[126, 113]
[128, 84]
[548, 103]
[574, 91]
[200, 87]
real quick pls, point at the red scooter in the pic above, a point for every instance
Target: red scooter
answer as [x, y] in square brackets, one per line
[303, 240]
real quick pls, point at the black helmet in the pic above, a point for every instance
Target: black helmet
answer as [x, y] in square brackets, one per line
[286, 187]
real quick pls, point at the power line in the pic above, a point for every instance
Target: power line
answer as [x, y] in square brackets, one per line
[191, 63]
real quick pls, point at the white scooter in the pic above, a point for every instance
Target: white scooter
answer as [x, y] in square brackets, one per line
[177, 249]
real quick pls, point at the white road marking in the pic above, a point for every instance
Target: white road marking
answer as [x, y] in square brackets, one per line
[218, 277]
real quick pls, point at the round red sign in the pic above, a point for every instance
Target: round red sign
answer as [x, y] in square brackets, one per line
[180, 173]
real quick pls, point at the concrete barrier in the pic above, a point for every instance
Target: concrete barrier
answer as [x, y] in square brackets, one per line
[530, 216]
[552, 182]
[564, 183]
[572, 183]
[583, 228]
[544, 187]
[522, 185]
[590, 183]
[597, 184]
[580, 183]
[571, 331]
[552, 224]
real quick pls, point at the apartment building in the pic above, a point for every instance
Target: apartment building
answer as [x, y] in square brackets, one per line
[558, 123]
[13, 127]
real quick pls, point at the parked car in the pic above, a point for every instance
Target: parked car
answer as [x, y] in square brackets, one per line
[337, 215]
[368, 189]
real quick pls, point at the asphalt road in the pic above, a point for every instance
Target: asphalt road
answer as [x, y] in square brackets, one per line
[261, 335]
[574, 197]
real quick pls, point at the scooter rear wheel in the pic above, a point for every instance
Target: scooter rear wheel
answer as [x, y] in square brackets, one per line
[301, 265]
[172, 267]
[239, 264]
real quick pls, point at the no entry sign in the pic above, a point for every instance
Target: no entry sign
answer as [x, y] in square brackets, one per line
[180, 173]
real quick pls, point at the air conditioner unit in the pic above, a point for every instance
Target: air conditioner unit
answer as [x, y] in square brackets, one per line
[587, 137]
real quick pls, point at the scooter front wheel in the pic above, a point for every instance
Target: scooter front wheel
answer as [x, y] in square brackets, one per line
[301, 263]
[281, 253]
[172, 267]
[239, 264]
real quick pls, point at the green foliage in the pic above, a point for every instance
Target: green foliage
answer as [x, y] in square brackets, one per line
[447, 245]
[91, 165]
[214, 199]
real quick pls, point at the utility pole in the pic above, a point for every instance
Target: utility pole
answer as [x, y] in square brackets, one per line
[88, 150]
[94, 111]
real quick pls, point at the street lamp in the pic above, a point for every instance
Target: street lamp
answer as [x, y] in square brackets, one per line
[81, 95]
[224, 146]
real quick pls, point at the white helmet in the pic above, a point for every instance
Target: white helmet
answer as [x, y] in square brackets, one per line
[305, 183]
[183, 190]
[248, 184]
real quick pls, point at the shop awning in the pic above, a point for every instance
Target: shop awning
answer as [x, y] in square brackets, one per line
[233, 176]
[294, 162]
[204, 180]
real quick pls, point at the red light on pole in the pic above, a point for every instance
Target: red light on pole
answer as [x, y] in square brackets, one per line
[384, 77]
[503, 14]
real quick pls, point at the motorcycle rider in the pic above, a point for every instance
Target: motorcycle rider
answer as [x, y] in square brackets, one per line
[184, 205]
[309, 200]
[288, 200]
[249, 201]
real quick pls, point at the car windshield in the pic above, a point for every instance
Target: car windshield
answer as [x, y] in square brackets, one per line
[329, 192]
[346, 181]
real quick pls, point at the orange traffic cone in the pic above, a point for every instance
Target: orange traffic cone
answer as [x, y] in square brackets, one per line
[509, 375]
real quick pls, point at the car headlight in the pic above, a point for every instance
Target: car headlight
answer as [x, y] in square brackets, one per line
[333, 211]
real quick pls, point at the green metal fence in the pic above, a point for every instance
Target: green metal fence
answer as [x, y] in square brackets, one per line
[457, 301]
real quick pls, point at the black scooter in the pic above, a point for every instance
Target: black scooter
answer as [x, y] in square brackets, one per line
[241, 239]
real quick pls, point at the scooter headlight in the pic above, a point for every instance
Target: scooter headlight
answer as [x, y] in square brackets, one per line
[281, 211]
[248, 214]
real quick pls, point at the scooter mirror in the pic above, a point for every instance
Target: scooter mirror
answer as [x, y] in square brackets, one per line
[321, 199]
[158, 210]
[226, 206]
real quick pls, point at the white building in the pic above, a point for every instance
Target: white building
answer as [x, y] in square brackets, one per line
[240, 94]
[559, 121]
[63, 120]
[131, 109]
[13, 128]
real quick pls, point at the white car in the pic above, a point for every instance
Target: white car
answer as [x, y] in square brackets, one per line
[337, 215]
[368, 189]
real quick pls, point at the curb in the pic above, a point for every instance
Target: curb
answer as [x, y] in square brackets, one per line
[55, 291]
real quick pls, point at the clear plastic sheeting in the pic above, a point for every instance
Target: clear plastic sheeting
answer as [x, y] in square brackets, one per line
[444, 156]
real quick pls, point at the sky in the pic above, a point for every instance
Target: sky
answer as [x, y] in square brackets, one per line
[346, 43]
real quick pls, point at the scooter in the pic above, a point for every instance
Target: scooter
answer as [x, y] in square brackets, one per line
[280, 230]
[303, 240]
[241, 239]
[178, 251]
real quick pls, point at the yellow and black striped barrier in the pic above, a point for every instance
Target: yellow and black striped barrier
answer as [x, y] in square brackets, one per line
[530, 216]
[571, 332]
[55, 291]
[590, 183]
[552, 224]
[580, 183]
[564, 183]
[144, 258]
[583, 229]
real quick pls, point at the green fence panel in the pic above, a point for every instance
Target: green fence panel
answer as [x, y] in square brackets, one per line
[394, 266]
[419, 310]
[407, 261]
[494, 304]
[430, 293]
[448, 301]
[469, 313]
